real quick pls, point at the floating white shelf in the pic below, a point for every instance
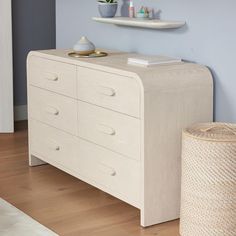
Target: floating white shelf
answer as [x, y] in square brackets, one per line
[134, 22]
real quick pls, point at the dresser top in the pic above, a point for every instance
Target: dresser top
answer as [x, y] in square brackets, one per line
[153, 77]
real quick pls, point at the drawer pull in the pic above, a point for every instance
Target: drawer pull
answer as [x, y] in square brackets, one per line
[52, 145]
[57, 148]
[106, 129]
[51, 76]
[107, 170]
[52, 111]
[107, 91]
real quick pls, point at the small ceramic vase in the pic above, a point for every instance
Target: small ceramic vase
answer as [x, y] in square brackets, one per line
[84, 46]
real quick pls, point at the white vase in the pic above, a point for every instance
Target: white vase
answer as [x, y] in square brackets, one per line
[84, 46]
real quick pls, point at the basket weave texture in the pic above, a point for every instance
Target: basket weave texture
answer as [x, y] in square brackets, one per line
[208, 192]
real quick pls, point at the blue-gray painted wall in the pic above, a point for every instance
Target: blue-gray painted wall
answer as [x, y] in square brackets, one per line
[33, 28]
[209, 38]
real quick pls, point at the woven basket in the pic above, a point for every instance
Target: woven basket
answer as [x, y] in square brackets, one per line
[208, 194]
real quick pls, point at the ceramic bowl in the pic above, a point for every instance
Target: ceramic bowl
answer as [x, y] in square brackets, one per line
[84, 46]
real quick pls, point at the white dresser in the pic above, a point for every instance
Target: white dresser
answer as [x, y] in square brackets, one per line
[116, 126]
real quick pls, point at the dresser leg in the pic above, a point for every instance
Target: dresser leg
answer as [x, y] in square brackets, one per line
[34, 161]
[149, 218]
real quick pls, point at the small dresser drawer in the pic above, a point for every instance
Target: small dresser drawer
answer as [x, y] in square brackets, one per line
[53, 144]
[112, 130]
[111, 91]
[112, 172]
[54, 109]
[52, 75]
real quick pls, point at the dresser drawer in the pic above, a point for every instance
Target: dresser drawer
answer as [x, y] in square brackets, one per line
[112, 130]
[111, 91]
[54, 109]
[52, 75]
[111, 172]
[52, 144]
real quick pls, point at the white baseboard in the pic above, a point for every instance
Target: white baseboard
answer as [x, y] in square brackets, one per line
[20, 113]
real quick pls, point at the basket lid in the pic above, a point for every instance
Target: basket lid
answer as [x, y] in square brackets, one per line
[222, 132]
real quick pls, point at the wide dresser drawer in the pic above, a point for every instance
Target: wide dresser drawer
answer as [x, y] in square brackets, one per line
[53, 109]
[112, 130]
[108, 90]
[109, 171]
[52, 75]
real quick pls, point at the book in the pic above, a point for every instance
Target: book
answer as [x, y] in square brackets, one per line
[152, 60]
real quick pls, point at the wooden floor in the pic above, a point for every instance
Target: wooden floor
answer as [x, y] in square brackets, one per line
[63, 203]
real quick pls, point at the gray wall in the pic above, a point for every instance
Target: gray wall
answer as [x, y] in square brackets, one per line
[209, 38]
[33, 28]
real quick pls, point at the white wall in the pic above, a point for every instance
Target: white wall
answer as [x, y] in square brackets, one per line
[6, 84]
[209, 38]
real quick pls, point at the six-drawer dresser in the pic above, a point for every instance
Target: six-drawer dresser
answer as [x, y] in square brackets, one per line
[116, 126]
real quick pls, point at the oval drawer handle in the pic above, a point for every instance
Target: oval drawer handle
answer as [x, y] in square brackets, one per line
[52, 145]
[107, 170]
[51, 76]
[57, 148]
[107, 91]
[52, 111]
[106, 129]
